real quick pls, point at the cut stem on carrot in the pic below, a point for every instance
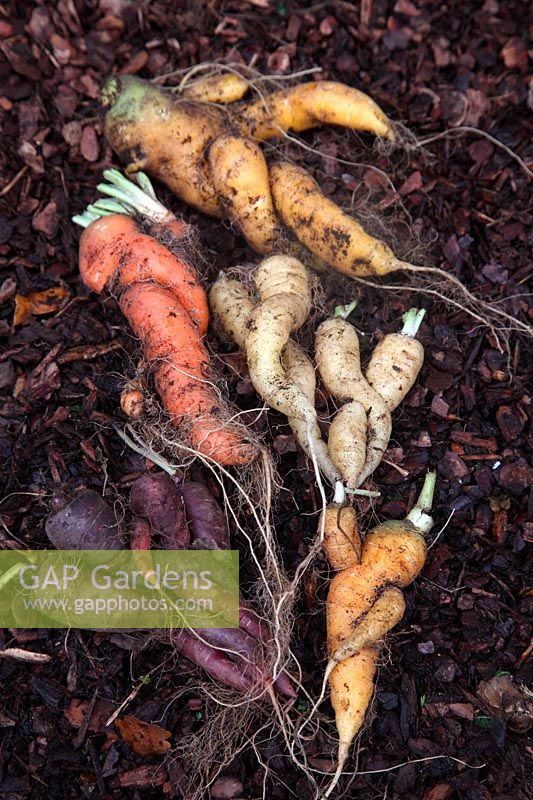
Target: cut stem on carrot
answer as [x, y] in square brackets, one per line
[419, 516]
[141, 196]
[412, 320]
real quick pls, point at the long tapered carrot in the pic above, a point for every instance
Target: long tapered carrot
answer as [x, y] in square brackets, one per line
[115, 253]
[181, 375]
[166, 305]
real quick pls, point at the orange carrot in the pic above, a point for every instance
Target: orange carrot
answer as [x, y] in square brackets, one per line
[115, 252]
[163, 300]
[169, 337]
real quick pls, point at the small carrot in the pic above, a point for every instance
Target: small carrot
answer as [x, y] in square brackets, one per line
[342, 542]
[233, 306]
[181, 376]
[225, 88]
[355, 454]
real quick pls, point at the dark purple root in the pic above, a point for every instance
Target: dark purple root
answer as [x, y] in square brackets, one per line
[213, 662]
[157, 499]
[205, 517]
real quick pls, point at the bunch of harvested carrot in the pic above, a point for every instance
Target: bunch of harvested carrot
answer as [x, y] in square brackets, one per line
[166, 306]
[284, 376]
[210, 156]
[364, 600]
[212, 160]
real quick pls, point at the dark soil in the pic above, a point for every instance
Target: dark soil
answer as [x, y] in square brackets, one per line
[433, 66]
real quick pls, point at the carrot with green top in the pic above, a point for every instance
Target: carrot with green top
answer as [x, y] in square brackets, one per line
[165, 304]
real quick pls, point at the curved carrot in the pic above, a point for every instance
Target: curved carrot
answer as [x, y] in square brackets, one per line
[114, 251]
[181, 376]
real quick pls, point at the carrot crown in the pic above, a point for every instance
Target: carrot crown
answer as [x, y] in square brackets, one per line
[412, 320]
[126, 197]
[344, 311]
[419, 517]
[121, 95]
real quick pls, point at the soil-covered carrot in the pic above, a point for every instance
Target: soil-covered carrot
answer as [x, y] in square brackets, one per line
[342, 543]
[308, 105]
[348, 441]
[339, 364]
[181, 372]
[114, 253]
[165, 135]
[207, 157]
[364, 602]
[324, 229]
[396, 361]
[169, 321]
[226, 88]
[284, 289]
[232, 305]
[240, 176]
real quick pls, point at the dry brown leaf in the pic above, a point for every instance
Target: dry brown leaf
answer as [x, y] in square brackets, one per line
[144, 738]
[38, 303]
